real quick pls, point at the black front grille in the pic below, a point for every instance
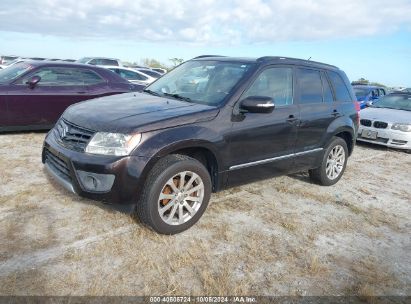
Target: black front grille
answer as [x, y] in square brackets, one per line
[58, 164]
[365, 122]
[71, 136]
[380, 125]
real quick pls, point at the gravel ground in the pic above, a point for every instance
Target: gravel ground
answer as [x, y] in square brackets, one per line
[282, 236]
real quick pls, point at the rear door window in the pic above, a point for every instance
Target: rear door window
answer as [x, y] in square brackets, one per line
[310, 86]
[340, 89]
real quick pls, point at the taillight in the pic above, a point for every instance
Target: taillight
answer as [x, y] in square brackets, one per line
[357, 108]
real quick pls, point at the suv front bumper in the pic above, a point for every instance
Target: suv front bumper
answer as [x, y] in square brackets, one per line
[111, 179]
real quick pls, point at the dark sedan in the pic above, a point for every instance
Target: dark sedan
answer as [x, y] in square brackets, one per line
[33, 95]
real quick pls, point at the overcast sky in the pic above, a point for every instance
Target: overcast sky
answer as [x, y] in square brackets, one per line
[368, 38]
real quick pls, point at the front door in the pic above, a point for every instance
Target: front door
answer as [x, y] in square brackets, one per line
[262, 145]
[43, 104]
[3, 106]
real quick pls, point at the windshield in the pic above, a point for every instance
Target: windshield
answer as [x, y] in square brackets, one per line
[205, 82]
[361, 92]
[14, 71]
[398, 102]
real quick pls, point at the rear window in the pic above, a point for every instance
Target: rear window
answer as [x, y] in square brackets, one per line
[361, 92]
[340, 89]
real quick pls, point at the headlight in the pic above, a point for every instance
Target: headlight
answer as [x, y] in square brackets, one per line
[402, 127]
[113, 143]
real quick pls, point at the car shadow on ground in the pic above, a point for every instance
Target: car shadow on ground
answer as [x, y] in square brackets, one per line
[380, 147]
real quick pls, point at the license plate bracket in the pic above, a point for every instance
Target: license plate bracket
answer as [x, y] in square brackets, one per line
[369, 134]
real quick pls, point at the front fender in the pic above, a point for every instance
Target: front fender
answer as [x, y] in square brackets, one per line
[159, 143]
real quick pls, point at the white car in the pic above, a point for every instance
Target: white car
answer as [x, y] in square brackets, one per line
[132, 75]
[101, 61]
[387, 122]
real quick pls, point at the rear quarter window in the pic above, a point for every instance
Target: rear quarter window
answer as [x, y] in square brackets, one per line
[340, 89]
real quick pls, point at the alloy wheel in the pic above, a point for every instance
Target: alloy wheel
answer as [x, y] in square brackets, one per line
[335, 162]
[180, 198]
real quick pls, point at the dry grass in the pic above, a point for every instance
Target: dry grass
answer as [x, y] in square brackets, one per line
[283, 236]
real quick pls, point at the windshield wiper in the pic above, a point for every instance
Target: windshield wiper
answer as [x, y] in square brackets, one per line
[179, 97]
[151, 92]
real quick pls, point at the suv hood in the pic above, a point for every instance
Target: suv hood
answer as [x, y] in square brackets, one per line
[386, 115]
[136, 112]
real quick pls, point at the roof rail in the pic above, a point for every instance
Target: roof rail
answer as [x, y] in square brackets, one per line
[264, 58]
[205, 56]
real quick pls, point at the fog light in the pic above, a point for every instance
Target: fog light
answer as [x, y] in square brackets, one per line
[96, 182]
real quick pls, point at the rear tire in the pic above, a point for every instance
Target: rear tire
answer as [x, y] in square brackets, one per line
[175, 195]
[333, 163]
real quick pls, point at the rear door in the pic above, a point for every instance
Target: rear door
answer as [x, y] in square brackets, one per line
[315, 102]
[58, 88]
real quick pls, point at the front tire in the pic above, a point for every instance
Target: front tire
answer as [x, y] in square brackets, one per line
[175, 195]
[333, 163]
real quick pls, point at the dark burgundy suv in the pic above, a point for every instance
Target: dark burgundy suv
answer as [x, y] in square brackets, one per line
[210, 123]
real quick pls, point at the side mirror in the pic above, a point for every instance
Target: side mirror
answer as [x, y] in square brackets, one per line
[33, 81]
[257, 104]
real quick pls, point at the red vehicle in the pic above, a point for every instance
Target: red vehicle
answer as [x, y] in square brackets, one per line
[33, 95]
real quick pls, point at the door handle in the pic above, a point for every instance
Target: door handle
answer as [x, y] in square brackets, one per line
[292, 119]
[335, 113]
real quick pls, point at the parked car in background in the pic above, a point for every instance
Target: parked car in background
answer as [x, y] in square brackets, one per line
[367, 95]
[388, 122]
[18, 60]
[4, 60]
[34, 94]
[35, 58]
[160, 70]
[132, 75]
[101, 61]
[149, 72]
[165, 150]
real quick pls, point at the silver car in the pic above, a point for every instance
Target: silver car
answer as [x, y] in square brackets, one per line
[387, 122]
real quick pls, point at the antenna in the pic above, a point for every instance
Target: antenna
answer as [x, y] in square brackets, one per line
[309, 58]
